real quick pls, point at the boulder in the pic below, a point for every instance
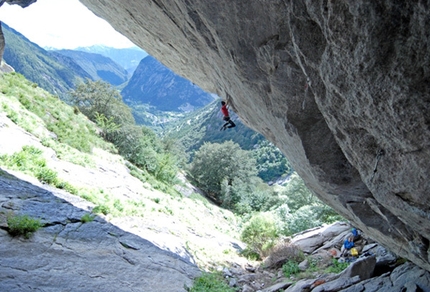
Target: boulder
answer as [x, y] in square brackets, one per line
[321, 238]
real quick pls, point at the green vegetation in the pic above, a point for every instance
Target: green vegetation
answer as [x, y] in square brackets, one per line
[302, 210]
[290, 268]
[271, 163]
[87, 218]
[103, 105]
[22, 225]
[41, 67]
[260, 234]
[101, 209]
[36, 106]
[210, 282]
[228, 175]
[30, 160]
[337, 266]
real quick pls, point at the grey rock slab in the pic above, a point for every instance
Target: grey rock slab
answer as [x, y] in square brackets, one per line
[67, 255]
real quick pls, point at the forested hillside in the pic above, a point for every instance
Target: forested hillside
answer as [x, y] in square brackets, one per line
[56, 74]
[98, 66]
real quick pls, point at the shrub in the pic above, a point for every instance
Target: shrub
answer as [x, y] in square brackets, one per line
[337, 266]
[87, 218]
[260, 233]
[210, 282]
[103, 209]
[283, 252]
[22, 225]
[46, 175]
[290, 268]
[118, 205]
[250, 254]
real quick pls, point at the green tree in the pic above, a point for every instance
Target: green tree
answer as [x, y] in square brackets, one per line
[298, 195]
[106, 125]
[302, 209]
[251, 195]
[98, 97]
[217, 164]
[271, 162]
[103, 104]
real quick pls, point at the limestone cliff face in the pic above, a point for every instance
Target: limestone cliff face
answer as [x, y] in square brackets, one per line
[341, 87]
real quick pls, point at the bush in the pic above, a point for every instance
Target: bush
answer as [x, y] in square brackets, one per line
[101, 209]
[283, 252]
[46, 175]
[337, 266]
[250, 254]
[303, 219]
[210, 282]
[22, 225]
[260, 233]
[87, 218]
[290, 268]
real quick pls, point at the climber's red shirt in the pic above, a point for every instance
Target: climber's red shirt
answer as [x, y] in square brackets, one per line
[224, 110]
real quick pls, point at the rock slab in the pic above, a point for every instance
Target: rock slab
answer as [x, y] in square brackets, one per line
[68, 255]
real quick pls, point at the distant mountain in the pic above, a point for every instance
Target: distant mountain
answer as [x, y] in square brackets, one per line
[128, 58]
[155, 85]
[98, 66]
[56, 74]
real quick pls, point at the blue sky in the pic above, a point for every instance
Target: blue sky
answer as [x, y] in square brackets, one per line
[61, 24]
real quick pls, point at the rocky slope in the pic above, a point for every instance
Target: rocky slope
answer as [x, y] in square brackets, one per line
[341, 87]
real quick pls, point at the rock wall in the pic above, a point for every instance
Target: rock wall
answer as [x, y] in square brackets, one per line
[341, 87]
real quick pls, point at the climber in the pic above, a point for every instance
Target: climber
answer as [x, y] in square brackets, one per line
[347, 245]
[229, 123]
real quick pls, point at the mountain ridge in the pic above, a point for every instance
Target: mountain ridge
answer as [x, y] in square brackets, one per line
[97, 66]
[57, 75]
[156, 85]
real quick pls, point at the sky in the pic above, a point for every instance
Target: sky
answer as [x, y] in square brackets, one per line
[61, 24]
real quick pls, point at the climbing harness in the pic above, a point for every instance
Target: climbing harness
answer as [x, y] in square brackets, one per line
[380, 153]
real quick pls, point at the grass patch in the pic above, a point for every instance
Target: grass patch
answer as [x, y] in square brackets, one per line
[101, 209]
[30, 161]
[34, 108]
[87, 218]
[210, 282]
[337, 267]
[22, 225]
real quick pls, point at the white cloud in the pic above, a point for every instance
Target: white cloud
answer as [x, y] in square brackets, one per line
[61, 24]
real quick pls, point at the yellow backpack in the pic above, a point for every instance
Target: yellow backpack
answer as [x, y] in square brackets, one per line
[354, 252]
